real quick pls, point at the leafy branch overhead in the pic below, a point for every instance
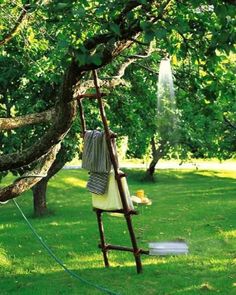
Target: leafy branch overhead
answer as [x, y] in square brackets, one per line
[48, 49]
[66, 105]
[19, 22]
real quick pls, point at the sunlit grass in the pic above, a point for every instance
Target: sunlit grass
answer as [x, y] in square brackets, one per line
[197, 206]
[223, 174]
[4, 260]
[75, 182]
[229, 234]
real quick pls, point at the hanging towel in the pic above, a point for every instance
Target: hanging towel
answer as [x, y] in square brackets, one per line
[97, 182]
[111, 199]
[96, 159]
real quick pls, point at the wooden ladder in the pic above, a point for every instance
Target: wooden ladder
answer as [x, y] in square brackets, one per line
[118, 176]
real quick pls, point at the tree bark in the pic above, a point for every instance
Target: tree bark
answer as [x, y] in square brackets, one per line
[21, 121]
[157, 154]
[40, 188]
[66, 112]
[39, 196]
[17, 25]
[28, 180]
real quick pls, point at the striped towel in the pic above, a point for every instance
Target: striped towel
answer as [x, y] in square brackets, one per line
[96, 159]
[98, 182]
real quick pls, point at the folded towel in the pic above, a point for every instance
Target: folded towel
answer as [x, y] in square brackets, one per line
[97, 160]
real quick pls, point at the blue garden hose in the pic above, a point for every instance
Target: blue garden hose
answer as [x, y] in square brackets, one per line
[50, 252]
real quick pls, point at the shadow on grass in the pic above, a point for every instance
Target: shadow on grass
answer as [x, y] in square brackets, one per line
[171, 275]
[198, 206]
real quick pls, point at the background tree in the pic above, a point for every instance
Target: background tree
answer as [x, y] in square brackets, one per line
[199, 77]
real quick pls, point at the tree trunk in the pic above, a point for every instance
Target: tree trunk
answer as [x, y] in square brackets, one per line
[152, 166]
[40, 189]
[39, 195]
[157, 154]
[28, 179]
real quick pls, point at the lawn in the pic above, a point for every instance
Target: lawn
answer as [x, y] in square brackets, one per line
[197, 206]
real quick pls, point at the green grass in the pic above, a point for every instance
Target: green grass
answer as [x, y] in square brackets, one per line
[197, 206]
[136, 161]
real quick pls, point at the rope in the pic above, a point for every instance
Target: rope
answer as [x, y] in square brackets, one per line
[50, 252]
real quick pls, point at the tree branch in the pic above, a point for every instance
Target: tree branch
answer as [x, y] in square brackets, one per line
[66, 112]
[29, 179]
[147, 69]
[114, 44]
[139, 42]
[104, 38]
[17, 122]
[66, 108]
[17, 25]
[116, 79]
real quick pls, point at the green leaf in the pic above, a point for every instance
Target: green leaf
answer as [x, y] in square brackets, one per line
[160, 33]
[62, 5]
[149, 36]
[96, 59]
[115, 28]
[101, 10]
[145, 25]
[81, 11]
[82, 59]
[142, 1]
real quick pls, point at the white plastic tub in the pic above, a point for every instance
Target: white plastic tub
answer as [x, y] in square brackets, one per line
[168, 248]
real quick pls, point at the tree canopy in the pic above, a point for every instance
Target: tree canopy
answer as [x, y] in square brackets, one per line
[48, 49]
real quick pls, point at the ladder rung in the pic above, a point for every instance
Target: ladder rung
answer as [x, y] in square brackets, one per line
[120, 175]
[123, 248]
[130, 212]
